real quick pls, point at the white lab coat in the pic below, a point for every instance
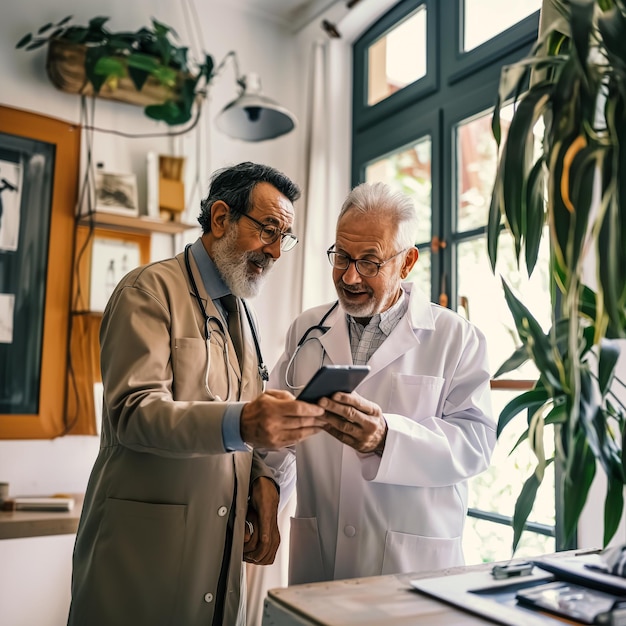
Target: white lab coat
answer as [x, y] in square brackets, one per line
[365, 515]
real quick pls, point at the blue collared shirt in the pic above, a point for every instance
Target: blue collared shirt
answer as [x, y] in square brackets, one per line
[216, 288]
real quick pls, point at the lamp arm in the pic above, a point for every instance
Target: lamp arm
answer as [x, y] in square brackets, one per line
[241, 81]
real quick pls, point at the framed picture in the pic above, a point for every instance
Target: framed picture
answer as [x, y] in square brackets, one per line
[97, 250]
[111, 260]
[116, 193]
[39, 159]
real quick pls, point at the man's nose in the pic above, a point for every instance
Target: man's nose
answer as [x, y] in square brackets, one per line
[350, 275]
[273, 249]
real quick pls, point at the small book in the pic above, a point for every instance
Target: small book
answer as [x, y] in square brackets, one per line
[43, 504]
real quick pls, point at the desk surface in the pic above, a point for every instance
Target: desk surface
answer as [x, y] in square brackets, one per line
[387, 600]
[21, 524]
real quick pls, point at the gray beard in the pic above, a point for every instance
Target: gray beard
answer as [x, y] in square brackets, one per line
[233, 265]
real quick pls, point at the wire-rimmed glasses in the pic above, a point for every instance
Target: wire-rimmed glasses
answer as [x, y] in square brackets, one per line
[365, 268]
[269, 234]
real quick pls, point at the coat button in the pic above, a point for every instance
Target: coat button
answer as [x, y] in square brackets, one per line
[222, 511]
[208, 597]
[349, 531]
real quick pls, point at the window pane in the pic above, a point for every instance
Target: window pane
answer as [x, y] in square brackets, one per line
[409, 171]
[487, 307]
[398, 58]
[497, 489]
[484, 19]
[477, 159]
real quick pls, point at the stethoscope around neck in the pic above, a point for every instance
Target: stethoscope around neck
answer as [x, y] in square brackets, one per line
[319, 327]
[218, 326]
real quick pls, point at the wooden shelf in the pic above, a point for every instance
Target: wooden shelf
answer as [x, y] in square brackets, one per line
[128, 223]
[21, 524]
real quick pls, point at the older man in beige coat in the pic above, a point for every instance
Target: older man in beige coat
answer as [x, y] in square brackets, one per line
[162, 533]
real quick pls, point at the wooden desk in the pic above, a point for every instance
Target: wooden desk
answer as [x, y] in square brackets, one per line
[375, 601]
[21, 524]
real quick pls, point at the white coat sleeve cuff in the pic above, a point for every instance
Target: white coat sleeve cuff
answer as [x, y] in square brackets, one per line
[370, 462]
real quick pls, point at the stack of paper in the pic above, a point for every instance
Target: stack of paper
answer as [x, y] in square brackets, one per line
[43, 504]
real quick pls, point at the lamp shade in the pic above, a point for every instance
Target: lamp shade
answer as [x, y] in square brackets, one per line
[253, 116]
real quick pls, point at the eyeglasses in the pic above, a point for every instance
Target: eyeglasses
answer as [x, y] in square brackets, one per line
[269, 234]
[366, 268]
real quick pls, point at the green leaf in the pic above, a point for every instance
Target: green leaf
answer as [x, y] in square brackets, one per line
[110, 66]
[581, 22]
[24, 40]
[518, 154]
[143, 62]
[170, 112]
[138, 76]
[44, 28]
[534, 214]
[517, 359]
[533, 337]
[530, 400]
[37, 43]
[523, 507]
[611, 25]
[609, 355]
[577, 482]
[613, 509]
[609, 247]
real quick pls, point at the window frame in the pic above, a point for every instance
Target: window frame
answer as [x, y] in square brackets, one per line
[461, 85]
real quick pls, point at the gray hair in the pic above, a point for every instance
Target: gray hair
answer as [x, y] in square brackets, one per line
[380, 198]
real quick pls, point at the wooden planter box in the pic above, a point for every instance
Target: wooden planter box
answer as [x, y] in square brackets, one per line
[65, 65]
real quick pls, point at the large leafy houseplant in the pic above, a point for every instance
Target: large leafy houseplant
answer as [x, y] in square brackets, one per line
[141, 55]
[574, 78]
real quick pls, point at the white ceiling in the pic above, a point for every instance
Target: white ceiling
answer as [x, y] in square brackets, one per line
[294, 13]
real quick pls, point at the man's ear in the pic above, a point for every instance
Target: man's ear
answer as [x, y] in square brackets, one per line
[410, 259]
[219, 215]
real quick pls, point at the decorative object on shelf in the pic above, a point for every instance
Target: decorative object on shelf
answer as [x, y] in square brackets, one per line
[577, 86]
[253, 116]
[116, 193]
[146, 68]
[171, 187]
[142, 67]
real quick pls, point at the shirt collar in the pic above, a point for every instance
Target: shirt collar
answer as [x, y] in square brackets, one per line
[387, 320]
[211, 278]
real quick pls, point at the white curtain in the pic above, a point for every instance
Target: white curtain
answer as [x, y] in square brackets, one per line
[322, 205]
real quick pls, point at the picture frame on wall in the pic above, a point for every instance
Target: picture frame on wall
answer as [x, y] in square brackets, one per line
[39, 164]
[116, 193]
[111, 260]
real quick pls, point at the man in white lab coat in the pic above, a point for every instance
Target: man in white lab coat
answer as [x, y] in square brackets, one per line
[384, 489]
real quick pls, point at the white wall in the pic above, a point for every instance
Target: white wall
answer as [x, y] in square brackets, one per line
[263, 46]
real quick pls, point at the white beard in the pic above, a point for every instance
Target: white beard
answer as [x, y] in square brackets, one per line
[233, 265]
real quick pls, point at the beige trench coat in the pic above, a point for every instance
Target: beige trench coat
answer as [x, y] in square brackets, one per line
[151, 536]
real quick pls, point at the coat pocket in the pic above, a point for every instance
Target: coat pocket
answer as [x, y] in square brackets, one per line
[417, 397]
[192, 373]
[306, 564]
[136, 566]
[415, 553]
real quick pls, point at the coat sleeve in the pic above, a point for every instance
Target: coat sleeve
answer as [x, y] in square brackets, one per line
[282, 462]
[140, 410]
[445, 449]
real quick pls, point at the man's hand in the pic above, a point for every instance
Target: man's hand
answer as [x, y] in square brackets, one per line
[275, 419]
[261, 545]
[355, 421]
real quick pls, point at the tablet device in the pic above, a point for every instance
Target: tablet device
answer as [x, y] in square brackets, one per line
[331, 378]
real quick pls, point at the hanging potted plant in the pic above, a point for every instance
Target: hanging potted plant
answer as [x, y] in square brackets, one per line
[576, 187]
[142, 67]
